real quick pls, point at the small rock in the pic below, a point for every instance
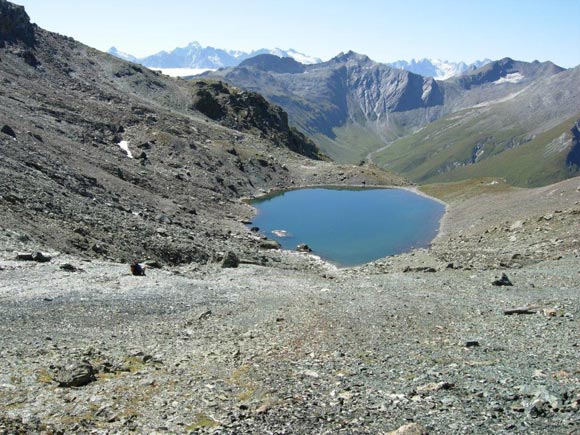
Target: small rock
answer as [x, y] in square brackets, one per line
[434, 386]
[503, 281]
[230, 260]
[263, 409]
[39, 257]
[550, 312]
[67, 267]
[521, 310]
[152, 264]
[205, 315]
[9, 131]
[303, 247]
[269, 244]
[310, 373]
[471, 343]
[409, 429]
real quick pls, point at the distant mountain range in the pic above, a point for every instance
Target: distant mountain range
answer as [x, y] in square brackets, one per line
[195, 56]
[506, 114]
[439, 69]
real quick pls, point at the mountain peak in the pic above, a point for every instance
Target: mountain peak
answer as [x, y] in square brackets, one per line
[15, 25]
[273, 63]
[437, 68]
[350, 55]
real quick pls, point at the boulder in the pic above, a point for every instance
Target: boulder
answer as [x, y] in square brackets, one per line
[503, 281]
[74, 374]
[269, 244]
[38, 257]
[9, 131]
[303, 247]
[230, 260]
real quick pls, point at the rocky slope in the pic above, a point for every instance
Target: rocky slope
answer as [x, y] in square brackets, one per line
[101, 157]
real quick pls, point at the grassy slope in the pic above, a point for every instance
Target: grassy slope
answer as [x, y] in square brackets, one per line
[351, 144]
[442, 151]
[465, 189]
[532, 164]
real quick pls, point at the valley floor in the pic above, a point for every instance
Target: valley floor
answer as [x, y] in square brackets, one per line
[419, 338]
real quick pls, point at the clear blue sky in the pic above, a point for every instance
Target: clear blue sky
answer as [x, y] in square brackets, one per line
[384, 30]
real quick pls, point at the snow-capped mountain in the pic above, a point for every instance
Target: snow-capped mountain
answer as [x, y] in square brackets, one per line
[196, 56]
[439, 69]
[122, 55]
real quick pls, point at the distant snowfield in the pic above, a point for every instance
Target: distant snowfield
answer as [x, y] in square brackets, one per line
[181, 72]
[510, 78]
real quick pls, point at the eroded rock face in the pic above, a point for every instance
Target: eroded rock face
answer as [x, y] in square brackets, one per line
[15, 24]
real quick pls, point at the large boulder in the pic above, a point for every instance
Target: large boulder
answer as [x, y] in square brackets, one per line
[74, 374]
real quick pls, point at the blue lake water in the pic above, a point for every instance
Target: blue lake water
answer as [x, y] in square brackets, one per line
[349, 227]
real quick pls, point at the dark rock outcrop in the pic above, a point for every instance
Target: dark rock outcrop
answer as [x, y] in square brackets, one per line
[15, 25]
[249, 111]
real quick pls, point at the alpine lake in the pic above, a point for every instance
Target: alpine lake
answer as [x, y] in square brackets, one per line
[349, 227]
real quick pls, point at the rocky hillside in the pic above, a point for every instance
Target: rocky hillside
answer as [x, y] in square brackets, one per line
[527, 137]
[343, 103]
[250, 112]
[104, 158]
[356, 108]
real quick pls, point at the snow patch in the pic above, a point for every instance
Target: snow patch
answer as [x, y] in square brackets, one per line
[510, 78]
[181, 72]
[124, 145]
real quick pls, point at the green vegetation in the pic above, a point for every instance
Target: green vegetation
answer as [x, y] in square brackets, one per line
[460, 146]
[539, 162]
[465, 189]
[352, 143]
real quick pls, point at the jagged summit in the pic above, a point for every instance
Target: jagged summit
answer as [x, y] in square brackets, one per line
[15, 25]
[350, 55]
[508, 70]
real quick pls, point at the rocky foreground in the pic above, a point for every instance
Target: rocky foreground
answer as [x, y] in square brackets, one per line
[434, 341]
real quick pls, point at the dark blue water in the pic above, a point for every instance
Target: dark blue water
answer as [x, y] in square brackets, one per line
[350, 227]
